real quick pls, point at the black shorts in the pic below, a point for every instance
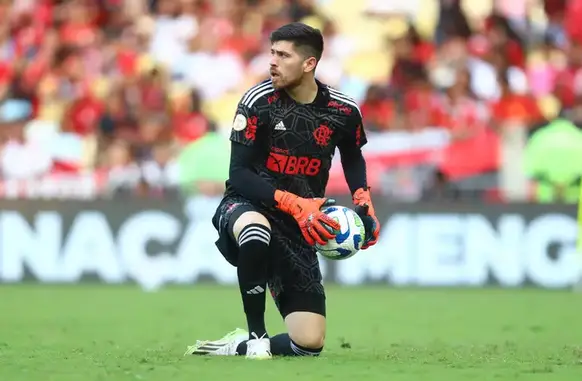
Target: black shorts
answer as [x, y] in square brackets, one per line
[295, 278]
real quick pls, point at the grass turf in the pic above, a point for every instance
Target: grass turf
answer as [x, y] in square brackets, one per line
[86, 333]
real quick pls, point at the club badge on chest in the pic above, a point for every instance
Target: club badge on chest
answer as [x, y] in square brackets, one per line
[322, 135]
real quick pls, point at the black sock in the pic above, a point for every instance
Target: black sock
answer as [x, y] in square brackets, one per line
[252, 270]
[282, 345]
[241, 349]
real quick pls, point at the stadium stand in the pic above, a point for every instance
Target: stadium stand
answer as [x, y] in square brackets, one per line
[102, 98]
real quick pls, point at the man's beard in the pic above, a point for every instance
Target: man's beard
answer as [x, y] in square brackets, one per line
[289, 84]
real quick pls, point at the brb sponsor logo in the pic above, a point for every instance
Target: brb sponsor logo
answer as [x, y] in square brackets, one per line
[280, 162]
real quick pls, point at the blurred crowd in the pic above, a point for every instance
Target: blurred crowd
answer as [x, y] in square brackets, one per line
[135, 97]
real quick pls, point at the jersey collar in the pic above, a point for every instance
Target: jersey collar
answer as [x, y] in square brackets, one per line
[321, 99]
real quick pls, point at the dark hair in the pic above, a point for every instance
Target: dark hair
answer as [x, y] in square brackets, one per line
[503, 78]
[305, 38]
[196, 102]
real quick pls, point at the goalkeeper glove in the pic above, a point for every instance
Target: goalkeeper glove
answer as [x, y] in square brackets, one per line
[365, 210]
[316, 226]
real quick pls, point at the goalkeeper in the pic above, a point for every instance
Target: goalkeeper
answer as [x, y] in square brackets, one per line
[283, 138]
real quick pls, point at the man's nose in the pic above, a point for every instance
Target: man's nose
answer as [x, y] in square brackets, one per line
[274, 62]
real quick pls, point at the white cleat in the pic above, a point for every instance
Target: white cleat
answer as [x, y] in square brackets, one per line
[259, 348]
[225, 346]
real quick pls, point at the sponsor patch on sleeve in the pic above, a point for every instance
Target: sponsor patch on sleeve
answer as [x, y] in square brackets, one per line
[240, 122]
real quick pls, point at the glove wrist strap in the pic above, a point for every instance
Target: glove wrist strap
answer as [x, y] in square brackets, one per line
[283, 200]
[362, 196]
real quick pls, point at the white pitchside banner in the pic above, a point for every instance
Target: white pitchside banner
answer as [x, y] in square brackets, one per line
[156, 243]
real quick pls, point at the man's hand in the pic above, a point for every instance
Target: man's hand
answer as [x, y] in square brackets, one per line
[365, 210]
[316, 226]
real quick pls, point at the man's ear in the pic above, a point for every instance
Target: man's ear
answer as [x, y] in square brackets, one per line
[309, 64]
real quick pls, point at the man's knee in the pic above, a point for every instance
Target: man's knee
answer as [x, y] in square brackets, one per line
[313, 340]
[246, 219]
[306, 329]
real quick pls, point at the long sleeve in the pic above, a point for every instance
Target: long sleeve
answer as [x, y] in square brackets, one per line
[354, 166]
[245, 180]
[350, 147]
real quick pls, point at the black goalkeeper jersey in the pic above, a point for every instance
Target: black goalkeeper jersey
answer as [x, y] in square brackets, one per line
[295, 143]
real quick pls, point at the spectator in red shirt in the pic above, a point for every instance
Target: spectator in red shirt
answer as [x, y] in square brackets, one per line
[188, 121]
[572, 20]
[79, 28]
[152, 89]
[473, 148]
[420, 101]
[411, 53]
[459, 111]
[422, 50]
[377, 109]
[568, 83]
[500, 35]
[83, 115]
[242, 41]
[512, 108]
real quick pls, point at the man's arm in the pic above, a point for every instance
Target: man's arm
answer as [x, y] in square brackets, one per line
[350, 147]
[354, 167]
[246, 136]
[245, 180]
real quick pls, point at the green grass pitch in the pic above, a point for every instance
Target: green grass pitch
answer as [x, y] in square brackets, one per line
[86, 333]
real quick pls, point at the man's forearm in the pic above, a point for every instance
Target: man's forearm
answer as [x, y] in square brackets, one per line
[251, 186]
[354, 166]
[245, 181]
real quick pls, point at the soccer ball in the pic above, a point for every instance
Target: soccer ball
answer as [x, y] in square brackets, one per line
[348, 241]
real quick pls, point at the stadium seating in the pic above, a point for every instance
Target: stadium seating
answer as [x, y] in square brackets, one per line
[92, 84]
